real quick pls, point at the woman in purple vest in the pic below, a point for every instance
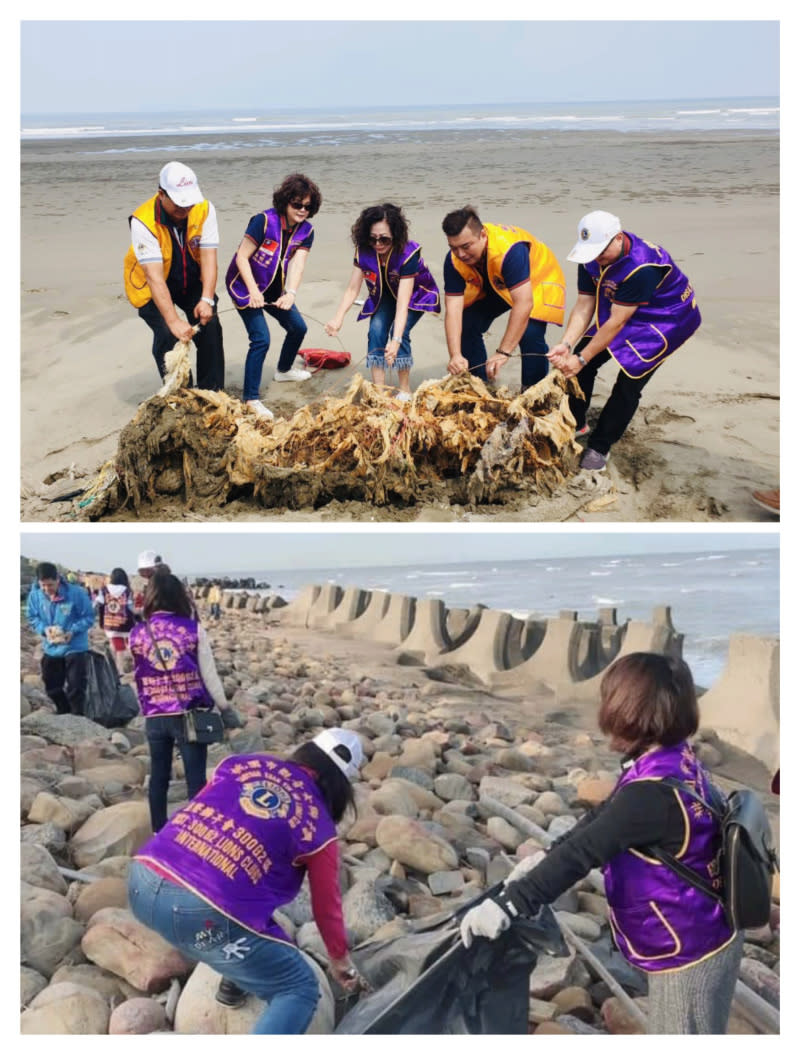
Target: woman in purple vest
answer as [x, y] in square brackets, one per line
[174, 670]
[265, 275]
[663, 925]
[400, 287]
[211, 881]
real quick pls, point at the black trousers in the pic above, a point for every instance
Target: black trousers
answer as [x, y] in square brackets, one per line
[65, 681]
[619, 408]
[207, 340]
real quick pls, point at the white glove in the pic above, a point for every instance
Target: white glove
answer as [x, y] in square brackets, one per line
[527, 864]
[487, 920]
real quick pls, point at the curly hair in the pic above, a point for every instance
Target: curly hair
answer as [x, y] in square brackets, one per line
[294, 188]
[373, 214]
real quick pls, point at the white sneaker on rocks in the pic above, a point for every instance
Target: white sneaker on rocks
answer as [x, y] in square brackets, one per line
[260, 410]
[295, 374]
[403, 397]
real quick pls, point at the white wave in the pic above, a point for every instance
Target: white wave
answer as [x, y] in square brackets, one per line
[461, 585]
[686, 113]
[599, 572]
[755, 110]
[608, 600]
[237, 120]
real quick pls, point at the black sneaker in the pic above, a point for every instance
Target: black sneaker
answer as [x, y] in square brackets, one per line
[229, 994]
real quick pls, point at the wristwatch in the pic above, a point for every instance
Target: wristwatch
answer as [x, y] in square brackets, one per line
[208, 300]
[501, 352]
[580, 358]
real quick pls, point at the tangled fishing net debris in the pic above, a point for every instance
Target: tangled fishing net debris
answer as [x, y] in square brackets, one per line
[456, 440]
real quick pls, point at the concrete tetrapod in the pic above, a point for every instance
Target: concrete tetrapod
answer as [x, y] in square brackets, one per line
[354, 601]
[484, 652]
[364, 624]
[398, 619]
[743, 705]
[555, 660]
[296, 612]
[658, 637]
[428, 637]
[327, 601]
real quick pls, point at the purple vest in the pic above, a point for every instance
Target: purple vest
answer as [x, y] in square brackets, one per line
[657, 328]
[180, 689]
[424, 295]
[659, 921]
[264, 262]
[238, 842]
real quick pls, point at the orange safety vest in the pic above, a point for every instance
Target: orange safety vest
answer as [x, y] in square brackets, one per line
[547, 278]
[136, 287]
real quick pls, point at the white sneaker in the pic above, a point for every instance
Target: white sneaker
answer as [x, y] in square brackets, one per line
[260, 410]
[295, 374]
[403, 397]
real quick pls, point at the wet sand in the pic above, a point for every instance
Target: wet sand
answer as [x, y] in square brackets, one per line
[706, 434]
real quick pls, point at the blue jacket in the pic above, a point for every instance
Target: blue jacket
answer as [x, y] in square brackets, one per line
[71, 610]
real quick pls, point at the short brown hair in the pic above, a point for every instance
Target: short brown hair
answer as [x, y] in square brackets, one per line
[646, 699]
[294, 187]
[455, 222]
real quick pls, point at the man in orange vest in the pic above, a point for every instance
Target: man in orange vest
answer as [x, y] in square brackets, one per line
[172, 264]
[492, 269]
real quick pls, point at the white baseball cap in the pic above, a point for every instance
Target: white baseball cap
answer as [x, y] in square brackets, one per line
[329, 739]
[180, 183]
[148, 559]
[595, 231]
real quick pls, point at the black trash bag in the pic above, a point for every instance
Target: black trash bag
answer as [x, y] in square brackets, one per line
[108, 702]
[427, 982]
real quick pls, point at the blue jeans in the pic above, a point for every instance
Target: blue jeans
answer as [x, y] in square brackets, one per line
[258, 332]
[164, 734]
[477, 319]
[380, 325]
[271, 970]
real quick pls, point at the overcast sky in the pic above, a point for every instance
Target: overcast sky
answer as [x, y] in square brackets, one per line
[199, 552]
[106, 66]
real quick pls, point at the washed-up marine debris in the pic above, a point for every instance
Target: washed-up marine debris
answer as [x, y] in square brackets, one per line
[456, 441]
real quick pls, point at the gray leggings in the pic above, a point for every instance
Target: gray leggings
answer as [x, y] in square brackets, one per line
[697, 999]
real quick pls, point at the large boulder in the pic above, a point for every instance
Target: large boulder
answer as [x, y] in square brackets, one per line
[66, 1008]
[412, 844]
[137, 1016]
[117, 941]
[66, 813]
[48, 932]
[116, 830]
[67, 729]
[199, 1012]
[366, 908]
[109, 892]
[38, 867]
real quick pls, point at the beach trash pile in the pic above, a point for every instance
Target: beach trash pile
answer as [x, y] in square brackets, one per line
[456, 441]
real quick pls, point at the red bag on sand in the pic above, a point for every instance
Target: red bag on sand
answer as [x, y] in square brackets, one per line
[324, 358]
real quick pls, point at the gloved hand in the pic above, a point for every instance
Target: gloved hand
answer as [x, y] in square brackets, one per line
[487, 920]
[527, 864]
[231, 719]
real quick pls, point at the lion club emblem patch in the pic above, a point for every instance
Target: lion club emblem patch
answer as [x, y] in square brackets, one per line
[265, 799]
[584, 234]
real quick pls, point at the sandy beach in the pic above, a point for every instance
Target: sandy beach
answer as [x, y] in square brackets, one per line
[706, 434]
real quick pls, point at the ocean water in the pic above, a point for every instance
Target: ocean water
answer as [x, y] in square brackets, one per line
[221, 130]
[712, 594]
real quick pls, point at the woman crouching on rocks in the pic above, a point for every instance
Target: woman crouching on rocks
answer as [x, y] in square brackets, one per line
[661, 923]
[211, 880]
[175, 672]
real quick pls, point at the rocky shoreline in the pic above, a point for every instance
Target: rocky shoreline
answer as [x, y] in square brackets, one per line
[427, 838]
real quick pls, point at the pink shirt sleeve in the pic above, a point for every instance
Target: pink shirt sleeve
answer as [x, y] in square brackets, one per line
[326, 898]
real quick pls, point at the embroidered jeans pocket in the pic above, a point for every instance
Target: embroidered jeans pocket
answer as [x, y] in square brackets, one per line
[200, 930]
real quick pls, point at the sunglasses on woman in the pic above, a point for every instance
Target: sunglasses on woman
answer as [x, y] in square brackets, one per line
[380, 239]
[301, 206]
